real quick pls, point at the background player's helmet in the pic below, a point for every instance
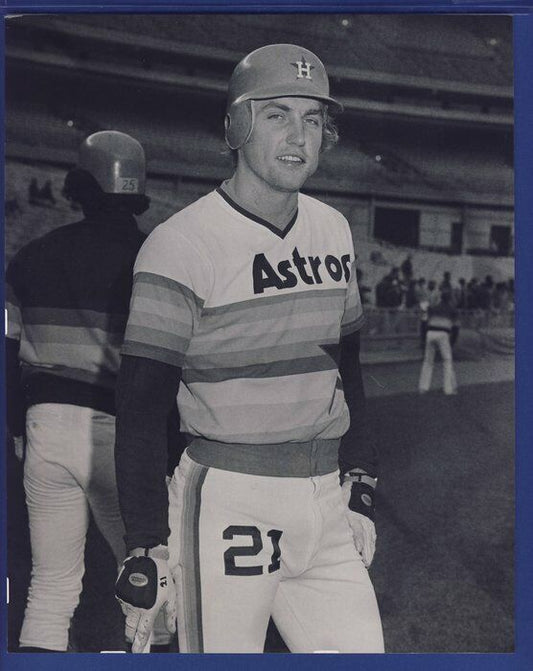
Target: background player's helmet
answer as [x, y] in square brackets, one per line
[273, 71]
[115, 160]
[111, 174]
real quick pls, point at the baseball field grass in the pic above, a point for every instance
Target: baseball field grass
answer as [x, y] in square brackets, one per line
[443, 569]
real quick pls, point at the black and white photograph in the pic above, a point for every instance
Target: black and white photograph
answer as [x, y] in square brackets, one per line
[260, 333]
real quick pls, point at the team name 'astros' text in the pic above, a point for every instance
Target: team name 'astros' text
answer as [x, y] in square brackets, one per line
[309, 270]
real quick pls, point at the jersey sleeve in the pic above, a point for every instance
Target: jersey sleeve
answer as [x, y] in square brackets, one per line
[170, 282]
[353, 317]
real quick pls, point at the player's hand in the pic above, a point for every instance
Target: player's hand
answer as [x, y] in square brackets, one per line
[358, 489]
[144, 587]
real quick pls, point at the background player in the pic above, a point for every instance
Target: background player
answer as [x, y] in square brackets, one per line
[441, 334]
[247, 303]
[67, 303]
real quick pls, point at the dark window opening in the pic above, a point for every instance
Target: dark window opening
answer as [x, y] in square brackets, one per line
[456, 246]
[397, 226]
[500, 240]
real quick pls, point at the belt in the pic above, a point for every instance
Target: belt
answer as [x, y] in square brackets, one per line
[439, 328]
[290, 460]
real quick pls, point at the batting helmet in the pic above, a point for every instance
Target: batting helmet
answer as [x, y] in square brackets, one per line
[115, 160]
[110, 174]
[273, 71]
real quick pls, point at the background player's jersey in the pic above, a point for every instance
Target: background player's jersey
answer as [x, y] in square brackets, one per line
[67, 297]
[442, 317]
[252, 315]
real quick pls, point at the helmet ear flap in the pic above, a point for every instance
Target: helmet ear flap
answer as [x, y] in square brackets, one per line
[238, 124]
[227, 124]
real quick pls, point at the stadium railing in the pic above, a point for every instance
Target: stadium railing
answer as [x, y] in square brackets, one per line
[396, 323]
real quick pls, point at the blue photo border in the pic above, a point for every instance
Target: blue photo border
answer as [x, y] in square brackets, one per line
[522, 658]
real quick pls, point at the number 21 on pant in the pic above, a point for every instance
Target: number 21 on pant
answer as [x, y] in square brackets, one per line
[250, 550]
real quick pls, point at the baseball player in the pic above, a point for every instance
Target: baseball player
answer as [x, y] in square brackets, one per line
[441, 334]
[67, 304]
[246, 306]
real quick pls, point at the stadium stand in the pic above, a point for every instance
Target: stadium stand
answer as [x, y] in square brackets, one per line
[427, 128]
[376, 43]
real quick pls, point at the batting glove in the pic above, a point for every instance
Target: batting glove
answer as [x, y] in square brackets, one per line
[144, 587]
[358, 488]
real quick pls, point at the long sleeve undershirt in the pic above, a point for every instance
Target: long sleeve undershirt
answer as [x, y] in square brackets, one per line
[145, 398]
[357, 448]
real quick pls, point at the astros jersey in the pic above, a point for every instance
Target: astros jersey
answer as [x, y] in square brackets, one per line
[252, 315]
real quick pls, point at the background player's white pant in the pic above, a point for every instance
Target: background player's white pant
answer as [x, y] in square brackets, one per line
[438, 340]
[69, 467]
[244, 547]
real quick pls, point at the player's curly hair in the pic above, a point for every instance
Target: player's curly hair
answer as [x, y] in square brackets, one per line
[330, 133]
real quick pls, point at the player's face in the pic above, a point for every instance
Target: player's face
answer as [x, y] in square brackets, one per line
[283, 149]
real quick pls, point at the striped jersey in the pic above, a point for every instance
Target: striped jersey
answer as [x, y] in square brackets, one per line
[67, 298]
[253, 316]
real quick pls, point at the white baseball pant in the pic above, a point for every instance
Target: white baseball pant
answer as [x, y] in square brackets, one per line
[247, 547]
[69, 468]
[438, 340]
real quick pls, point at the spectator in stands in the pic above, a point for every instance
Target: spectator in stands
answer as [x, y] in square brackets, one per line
[46, 193]
[433, 293]
[510, 288]
[396, 289]
[382, 288]
[472, 294]
[40, 196]
[33, 191]
[421, 290]
[423, 308]
[398, 293]
[67, 301]
[485, 292]
[442, 332]
[461, 295]
[500, 297]
[422, 297]
[411, 294]
[407, 269]
[363, 290]
[389, 295]
[446, 284]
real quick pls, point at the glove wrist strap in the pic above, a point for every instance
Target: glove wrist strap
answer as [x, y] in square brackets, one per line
[158, 552]
[361, 477]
